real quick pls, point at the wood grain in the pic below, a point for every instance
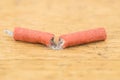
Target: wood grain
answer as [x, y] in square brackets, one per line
[26, 61]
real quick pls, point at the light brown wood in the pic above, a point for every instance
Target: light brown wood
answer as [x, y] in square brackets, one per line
[26, 61]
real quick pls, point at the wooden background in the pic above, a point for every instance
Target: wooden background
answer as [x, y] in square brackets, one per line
[26, 61]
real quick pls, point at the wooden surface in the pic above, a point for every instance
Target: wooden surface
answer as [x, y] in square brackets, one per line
[26, 61]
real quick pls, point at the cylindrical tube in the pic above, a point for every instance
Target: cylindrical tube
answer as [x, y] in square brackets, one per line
[32, 36]
[83, 37]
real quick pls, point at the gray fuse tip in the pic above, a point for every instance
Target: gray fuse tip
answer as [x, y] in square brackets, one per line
[8, 32]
